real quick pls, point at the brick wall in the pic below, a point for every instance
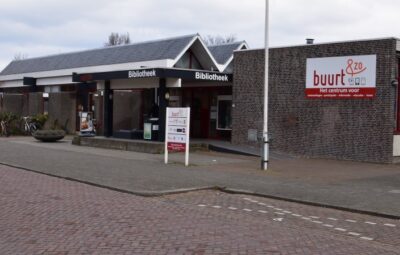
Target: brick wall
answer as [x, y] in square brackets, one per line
[62, 108]
[35, 104]
[351, 129]
[15, 103]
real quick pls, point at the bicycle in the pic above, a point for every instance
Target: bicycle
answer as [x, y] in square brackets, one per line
[4, 128]
[30, 127]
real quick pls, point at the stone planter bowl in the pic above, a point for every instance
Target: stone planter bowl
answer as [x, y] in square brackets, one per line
[49, 135]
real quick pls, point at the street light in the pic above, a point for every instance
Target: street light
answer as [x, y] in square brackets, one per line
[265, 156]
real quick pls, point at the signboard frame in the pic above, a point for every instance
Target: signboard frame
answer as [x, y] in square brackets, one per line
[177, 128]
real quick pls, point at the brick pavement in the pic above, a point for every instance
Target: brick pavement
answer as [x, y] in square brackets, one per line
[46, 215]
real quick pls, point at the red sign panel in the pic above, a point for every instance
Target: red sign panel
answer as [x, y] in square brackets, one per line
[176, 147]
[341, 93]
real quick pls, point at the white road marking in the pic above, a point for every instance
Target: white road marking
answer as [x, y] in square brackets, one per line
[389, 225]
[314, 217]
[352, 221]
[354, 234]
[332, 219]
[247, 210]
[305, 218]
[232, 208]
[216, 206]
[279, 209]
[366, 238]
[247, 199]
[296, 215]
[370, 223]
[261, 204]
[287, 212]
[261, 211]
[340, 229]
[327, 225]
[201, 205]
[278, 219]
[316, 221]
[279, 213]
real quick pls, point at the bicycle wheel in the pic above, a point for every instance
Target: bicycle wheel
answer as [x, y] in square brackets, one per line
[32, 129]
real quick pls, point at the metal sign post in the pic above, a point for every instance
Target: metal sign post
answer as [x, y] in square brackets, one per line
[177, 129]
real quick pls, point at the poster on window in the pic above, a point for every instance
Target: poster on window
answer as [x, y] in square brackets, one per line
[347, 77]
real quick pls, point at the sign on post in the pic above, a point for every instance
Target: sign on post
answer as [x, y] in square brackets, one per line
[177, 132]
[341, 77]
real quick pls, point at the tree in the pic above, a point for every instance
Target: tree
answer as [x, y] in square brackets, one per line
[117, 39]
[20, 56]
[212, 40]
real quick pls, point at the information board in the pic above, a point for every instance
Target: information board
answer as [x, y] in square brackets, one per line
[341, 77]
[177, 132]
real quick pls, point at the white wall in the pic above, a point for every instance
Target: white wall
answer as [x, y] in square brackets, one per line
[396, 146]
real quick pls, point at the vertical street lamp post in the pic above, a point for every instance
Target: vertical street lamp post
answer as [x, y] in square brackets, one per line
[265, 155]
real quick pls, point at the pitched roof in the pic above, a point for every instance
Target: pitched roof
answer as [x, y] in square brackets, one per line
[137, 52]
[222, 53]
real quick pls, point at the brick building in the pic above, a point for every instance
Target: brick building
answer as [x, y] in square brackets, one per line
[361, 129]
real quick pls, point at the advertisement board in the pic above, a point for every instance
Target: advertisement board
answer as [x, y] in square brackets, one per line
[177, 132]
[346, 77]
[147, 131]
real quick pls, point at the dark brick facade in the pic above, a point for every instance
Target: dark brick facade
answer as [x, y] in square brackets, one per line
[348, 129]
[35, 104]
[62, 109]
[16, 104]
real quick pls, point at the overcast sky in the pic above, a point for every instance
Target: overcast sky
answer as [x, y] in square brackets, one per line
[38, 28]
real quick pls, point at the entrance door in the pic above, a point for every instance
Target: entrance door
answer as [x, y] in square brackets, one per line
[199, 101]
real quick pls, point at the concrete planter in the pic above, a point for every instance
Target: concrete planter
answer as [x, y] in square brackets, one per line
[49, 135]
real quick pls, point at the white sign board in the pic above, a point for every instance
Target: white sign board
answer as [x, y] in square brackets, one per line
[177, 132]
[341, 77]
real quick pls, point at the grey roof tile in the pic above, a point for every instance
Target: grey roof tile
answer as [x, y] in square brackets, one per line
[223, 52]
[137, 52]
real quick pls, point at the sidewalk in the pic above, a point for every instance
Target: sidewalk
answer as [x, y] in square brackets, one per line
[356, 186]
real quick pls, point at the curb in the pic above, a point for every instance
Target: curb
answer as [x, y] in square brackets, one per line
[136, 193]
[215, 188]
[311, 203]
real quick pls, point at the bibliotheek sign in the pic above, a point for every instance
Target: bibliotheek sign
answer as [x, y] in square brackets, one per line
[341, 77]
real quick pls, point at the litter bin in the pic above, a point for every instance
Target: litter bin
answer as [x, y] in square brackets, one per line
[150, 129]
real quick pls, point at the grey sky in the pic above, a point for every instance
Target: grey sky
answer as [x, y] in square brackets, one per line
[45, 27]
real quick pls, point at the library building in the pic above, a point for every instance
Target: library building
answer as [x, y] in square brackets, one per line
[336, 100]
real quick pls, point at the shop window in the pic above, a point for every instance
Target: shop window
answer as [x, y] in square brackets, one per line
[224, 113]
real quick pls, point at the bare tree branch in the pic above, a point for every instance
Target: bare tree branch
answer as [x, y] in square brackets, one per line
[20, 56]
[117, 39]
[212, 40]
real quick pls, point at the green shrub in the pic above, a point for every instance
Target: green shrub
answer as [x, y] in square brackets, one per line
[40, 120]
[13, 125]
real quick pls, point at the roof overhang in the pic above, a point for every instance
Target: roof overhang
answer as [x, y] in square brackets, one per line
[190, 75]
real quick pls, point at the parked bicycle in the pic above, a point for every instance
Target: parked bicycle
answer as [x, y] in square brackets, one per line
[30, 126]
[4, 128]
